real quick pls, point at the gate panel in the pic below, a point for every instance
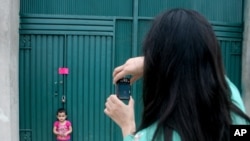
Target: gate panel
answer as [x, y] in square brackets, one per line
[213, 10]
[40, 86]
[78, 7]
[231, 50]
[89, 58]
[46, 91]
[24, 88]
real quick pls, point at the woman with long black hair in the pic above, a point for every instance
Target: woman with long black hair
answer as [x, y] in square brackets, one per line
[186, 94]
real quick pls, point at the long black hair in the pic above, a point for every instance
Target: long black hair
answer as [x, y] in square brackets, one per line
[184, 85]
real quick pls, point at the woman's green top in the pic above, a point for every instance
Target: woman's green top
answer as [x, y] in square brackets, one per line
[148, 133]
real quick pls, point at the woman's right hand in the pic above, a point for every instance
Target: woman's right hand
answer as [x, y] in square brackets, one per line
[133, 66]
[121, 114]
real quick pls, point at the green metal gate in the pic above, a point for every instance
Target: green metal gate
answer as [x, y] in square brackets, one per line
[90, 38]
[88, 54]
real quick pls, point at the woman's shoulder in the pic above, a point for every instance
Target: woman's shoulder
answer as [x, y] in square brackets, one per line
[235, 95]
[143, 135]
[237, 100]
[148, 133]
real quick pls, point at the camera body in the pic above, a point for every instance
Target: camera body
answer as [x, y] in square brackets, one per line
[123, 89]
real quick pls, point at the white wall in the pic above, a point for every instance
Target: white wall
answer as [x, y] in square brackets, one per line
[9, 38]
[246, 57]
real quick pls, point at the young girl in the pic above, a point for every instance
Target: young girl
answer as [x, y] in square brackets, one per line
[62, 127]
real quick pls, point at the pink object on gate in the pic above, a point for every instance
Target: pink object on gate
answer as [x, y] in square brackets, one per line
[63, 70]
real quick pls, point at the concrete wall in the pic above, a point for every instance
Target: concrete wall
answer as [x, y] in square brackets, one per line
[246, 57]
[9, 38]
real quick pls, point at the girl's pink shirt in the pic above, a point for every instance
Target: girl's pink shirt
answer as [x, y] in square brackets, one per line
[62, 128]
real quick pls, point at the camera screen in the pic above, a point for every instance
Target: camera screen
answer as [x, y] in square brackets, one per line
[123, 89]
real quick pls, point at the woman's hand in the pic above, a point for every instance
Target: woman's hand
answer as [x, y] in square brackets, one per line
[121, 114]
[133, 66]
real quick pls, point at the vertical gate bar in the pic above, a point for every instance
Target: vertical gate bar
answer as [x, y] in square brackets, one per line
[64, 63]
[135, 28]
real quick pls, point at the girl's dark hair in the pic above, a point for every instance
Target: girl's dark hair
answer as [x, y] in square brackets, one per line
[61, 110]
[184, 86]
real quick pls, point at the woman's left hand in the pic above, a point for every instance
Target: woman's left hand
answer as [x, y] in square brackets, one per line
[121, 114]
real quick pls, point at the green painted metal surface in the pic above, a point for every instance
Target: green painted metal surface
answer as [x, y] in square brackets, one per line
[78, 7]
[232, 51]
[40, 56]
[86, 87]
[214, 10]
[89, 83]
[91, 37]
